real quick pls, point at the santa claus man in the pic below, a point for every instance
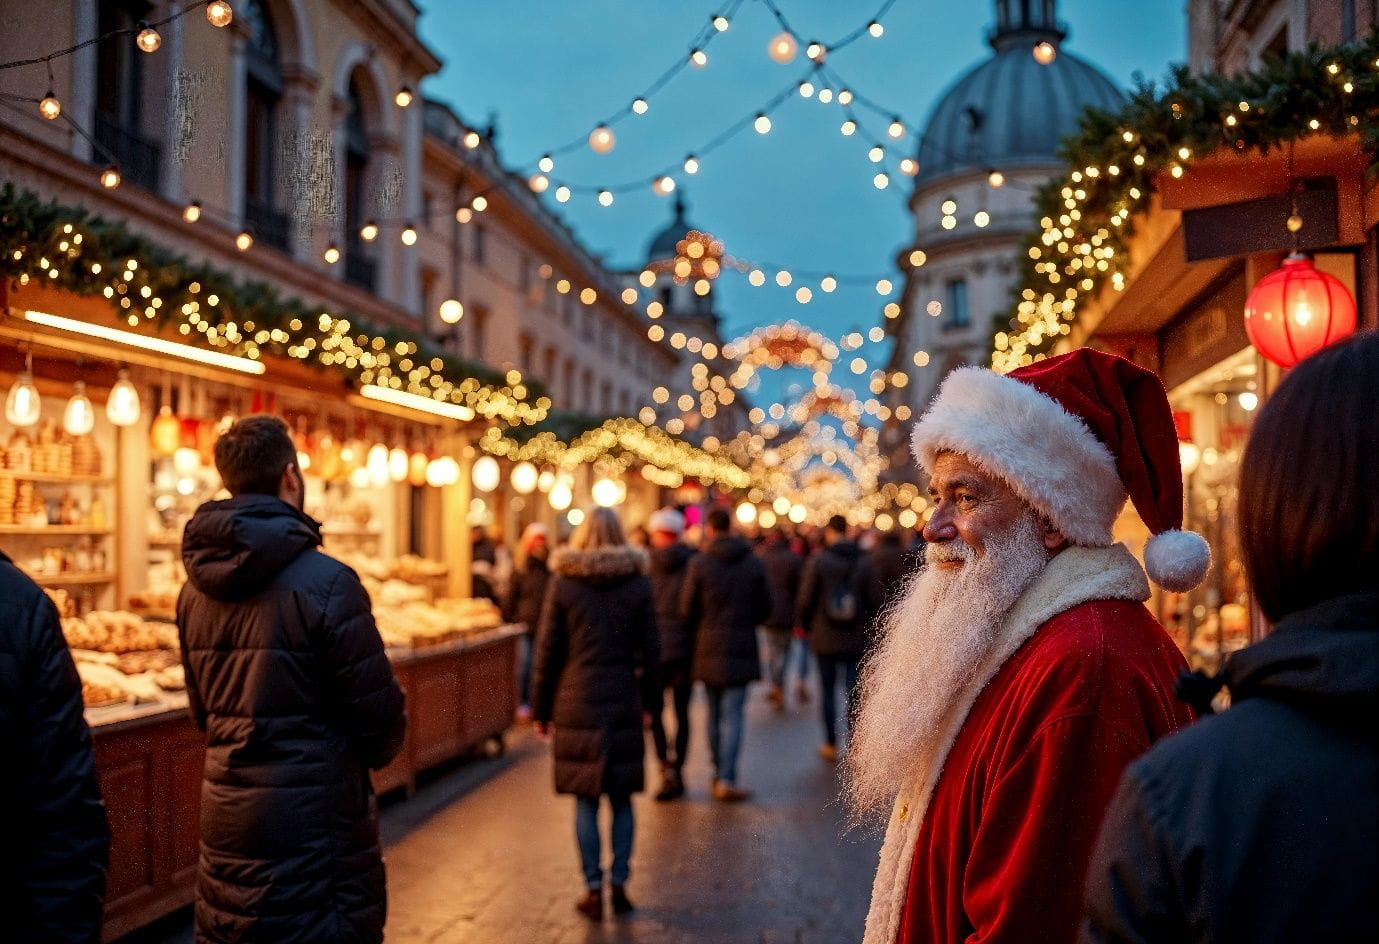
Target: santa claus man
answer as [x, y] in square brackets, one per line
[1021, 671]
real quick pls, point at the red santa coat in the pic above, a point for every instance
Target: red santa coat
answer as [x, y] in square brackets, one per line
[989, 840]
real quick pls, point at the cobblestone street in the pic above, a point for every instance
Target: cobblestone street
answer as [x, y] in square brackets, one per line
[485, 854]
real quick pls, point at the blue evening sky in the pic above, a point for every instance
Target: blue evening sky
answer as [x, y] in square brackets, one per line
[802, 195]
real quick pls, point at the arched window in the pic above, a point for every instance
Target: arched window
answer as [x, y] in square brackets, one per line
[262, 99]
[359, 267]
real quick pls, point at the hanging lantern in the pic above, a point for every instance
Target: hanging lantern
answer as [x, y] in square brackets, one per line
[602, 139]
[165, 435]
[442, 471]
[561, 495]
[122, 406]
[783, 47]
[1297, 310]
[397, 464]
[186, 462]
[485, 474]
[608, 492]
[524, 478]
[22, 406]
[79, 418]
[377, 465]
[545, 481]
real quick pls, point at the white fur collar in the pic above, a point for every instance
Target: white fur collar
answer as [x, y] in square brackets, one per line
[1077, 575]
[602, 562]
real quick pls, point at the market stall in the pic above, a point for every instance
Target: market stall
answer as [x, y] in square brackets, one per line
[106, 451]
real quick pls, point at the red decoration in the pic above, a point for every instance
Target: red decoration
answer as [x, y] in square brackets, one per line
[1297, 310]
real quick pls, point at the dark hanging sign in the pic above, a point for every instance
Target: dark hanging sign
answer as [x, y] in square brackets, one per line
[1251, 226]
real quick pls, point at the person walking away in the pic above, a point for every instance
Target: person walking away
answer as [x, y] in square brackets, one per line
[724, 599]
[836, 605]
[594, 681]
[287, 676]
[483, 564]
[528, 592]
[1259, 824]
[891, 564]
[670, 557]
[52, 875]
[1021, 672]
[783, 570]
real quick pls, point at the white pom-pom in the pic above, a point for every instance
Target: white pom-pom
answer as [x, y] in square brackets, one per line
[1177, 560]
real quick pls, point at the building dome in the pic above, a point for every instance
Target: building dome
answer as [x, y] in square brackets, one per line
[662, 245]
[1011, 111]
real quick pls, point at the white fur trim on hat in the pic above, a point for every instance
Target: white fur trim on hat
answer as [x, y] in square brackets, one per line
[1177, 560]
[1045, 454]
[667, 520]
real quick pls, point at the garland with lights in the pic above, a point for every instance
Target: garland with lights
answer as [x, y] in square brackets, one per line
[1087, 217]
[87, 255]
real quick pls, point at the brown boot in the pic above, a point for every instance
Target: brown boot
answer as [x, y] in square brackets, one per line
[591, 905]
[777, 698]
[725, 792]
[621, 903]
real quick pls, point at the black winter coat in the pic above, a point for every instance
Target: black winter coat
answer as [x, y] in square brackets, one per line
[594, 669]
[836, 566]
[53, 856]
[527, 595]
[723, 601]
[783, 570]
[1260, 824]
[668, 566]
[286, 675]
[891, 564]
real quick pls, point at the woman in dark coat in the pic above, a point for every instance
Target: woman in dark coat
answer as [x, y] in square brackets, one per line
[287, 676]
[595, 681]
[1260, 824]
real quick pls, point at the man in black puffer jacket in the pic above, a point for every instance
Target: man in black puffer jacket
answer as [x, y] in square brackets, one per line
[670, 558]
[52, 872]
[287, 676]
[723, 601]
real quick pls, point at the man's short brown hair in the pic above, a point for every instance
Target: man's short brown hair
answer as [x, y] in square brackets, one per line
[252, 455]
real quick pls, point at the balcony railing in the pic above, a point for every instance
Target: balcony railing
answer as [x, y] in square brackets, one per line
[135, 156]
[268, 224]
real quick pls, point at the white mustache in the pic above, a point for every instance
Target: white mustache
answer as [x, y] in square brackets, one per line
[948, 552]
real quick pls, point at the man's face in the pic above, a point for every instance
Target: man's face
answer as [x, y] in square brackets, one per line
[970, 506]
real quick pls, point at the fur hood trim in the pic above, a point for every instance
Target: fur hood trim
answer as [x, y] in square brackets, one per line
[1075, 576]
[602, 563]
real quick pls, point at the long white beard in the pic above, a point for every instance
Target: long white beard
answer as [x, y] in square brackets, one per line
[935, 636]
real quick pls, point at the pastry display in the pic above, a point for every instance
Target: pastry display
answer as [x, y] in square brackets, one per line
[113, 631]
[419, 625]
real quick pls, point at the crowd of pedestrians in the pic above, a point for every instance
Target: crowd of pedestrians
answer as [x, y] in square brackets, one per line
[1254, 825]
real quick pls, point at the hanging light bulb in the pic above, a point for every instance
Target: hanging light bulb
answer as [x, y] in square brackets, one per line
[408, 235]
[909, 167]
[191, 212]
[763, 123]
[547, 163]
[332, 254]
[49, 107]
[539, 183]
[698, 58]
[369, 231]
[562, 194]
[876, 29]
[110, 177]
[720, 23]
[524, 478]
[485, 474]
[377, 465]
[806, 89]
[896, 129]
[816, 51]
[397, 464]
[640, 106]
[664, 185]
[607, 493]
[545, 480]
[479, 203]
[783, 47]
[605, 198]
[417, 466]
[602, 139]
[1044, 52]
[79, 417]
[560, 495]
[219, 14]
[244, 241]
[22, 406]
[148, 39]
[122, 406]
[691, 164]
[996, 180]
[451, 311]
[404, 97]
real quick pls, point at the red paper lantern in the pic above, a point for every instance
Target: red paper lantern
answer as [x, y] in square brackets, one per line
[1297, 310]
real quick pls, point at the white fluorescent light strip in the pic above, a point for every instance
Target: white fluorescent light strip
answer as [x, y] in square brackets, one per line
[157, 345]
[439, 407]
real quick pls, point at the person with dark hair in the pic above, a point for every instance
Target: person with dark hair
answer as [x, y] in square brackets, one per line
[783, 570]
[594, 684]
[52, 875]
[891, 563]
[287, 676]
[836, 605]
[1259, 824]
[724, 599]
[670, 557]
[526, 594]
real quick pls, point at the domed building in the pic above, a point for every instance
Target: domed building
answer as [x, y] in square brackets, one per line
[991, 140]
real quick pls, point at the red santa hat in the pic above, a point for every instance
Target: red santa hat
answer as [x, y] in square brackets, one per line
[1074, 435]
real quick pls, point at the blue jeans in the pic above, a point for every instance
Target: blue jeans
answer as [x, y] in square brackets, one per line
[828, 680]
[725, 729]
[591, 846]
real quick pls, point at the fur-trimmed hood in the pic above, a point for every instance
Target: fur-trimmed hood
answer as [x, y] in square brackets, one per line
[603, 563]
